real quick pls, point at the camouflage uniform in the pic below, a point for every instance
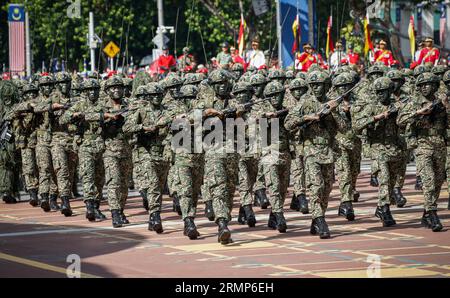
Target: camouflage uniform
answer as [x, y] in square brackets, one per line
[446, 80]
[150, 148]
[430, 153]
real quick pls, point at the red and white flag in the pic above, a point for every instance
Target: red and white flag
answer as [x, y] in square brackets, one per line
[241, 37]
[443, 24]
[16, 23]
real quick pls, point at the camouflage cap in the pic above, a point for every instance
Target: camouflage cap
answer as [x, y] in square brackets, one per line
[427, 77]
[439, 69]
[241, 87]
[421, 69]
[154, 88]
[276, 74]
[446, 77]
[383, 83]
[62, 77]
[89, 84]
[343, 79]
[257, 79]
[298, 84]
[189, 91]
[46, 80]
[218, 76]
[395, 75]
[317, 77]
[31, 87]
[114, 81]
[273, 88]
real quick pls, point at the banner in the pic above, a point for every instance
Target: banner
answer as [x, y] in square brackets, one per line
[412, 37]
[16, 24]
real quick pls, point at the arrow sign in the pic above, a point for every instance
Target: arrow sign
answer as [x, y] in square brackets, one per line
[111, 49]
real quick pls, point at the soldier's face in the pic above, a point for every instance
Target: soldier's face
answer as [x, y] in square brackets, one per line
[46, 90]
[276, 100]
[279, 80]
[343, 89]
[243, 97]
[64, 87]
[397, 84]
[156, 99]
[221, 88]
[318, 89]
[375, 75]
[127, 92]
[92, 94]
[116, 92]
[383, 96]
[30, 95]
[298, 93]
[259, 89]
[175, 91]
[427, 89]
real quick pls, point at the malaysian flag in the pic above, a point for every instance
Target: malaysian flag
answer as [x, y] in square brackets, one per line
[443, 24]
[16, 22]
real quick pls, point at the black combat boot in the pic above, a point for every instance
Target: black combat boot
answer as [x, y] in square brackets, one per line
[123, 218]
[65, 206]
[356, 196]
[209, 211]
[176, 203]
[34, 200]
[374, 180]
[384, 213]
[53, 202]
[272, 223]
[303, 203]
[295, 203]
[280, 222]
[263, 200]
[249, 216]
[98, 214]
[75, 192]
[419, 184]
[45, 205]
[9, 199]
[116, 222]
[90, 213]
[143, 194]
[241, 216]
[154, 223]
[319, 225]
[400, 200]
[190, 229]
[257, 202]
[431, 221]
[346, 210]
[224, 236]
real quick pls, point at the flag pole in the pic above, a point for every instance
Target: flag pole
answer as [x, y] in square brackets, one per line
[27, 44]
[280, 42]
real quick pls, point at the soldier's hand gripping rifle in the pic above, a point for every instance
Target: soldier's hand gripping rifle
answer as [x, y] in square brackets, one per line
[6, 134]
[231, 112]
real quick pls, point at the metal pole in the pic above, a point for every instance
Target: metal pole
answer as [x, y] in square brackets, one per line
[27, 44]
[161, 21]
[91, 40]
[280, 42]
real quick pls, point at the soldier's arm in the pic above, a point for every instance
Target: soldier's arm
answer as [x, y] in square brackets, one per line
[363, 118]
[43, 106]
[133, 123]
[407, 115]
[69, 114]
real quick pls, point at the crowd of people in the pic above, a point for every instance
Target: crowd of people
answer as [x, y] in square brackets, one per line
[118, 131]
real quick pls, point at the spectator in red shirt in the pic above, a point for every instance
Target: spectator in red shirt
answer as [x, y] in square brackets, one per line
[236, 58]
[166, 62]
[384, 55]
[429, 54]
[353, 58]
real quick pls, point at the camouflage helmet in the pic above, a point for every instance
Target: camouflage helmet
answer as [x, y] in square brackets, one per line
[127, 82]
[446, 77]
[173, 81]
[218, 76]
[276, 74]
[46, 80]
[339, 71]
[19, 83]
[290, 74]
[317, 76]
[237, 67]
[257, 79]
[251, 68]
[62, 77]
[76, 85]
[273, 88]
[298, 84]
[383, 83]
[395, 75]
[90, 84]
[421, 69]
[376, 69]
[439, 69]
[154, 88]
[262, 71]
[301, 75]
[114, 81]
[30, 88]
[241, 87]
[193, 78]
[141, 90]
[406, 72]
[314, 67]
[343, 79]
[189, 91]
[427, 77]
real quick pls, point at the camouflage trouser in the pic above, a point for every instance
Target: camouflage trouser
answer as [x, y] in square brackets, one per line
[447, 169]
[298, 174]
[260, 180]
[29, 168]
[386, 178]
[173, 180]
[137, 173]
[431, 168]
[348, 165]
[92, 172]
[319, 180]
[248, 169]
[155, 175]
[117, 170]
[64, 163]
[374, 167]
[8, 183]
[190, 177]
[400, 176]
[276, 173]
[219, 180]
[47, 177]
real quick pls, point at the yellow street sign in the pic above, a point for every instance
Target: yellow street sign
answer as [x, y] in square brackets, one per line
[111, 49]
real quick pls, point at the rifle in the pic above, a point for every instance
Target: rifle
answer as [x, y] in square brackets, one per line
[6, 134]
[436, 106]
[230, 112]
